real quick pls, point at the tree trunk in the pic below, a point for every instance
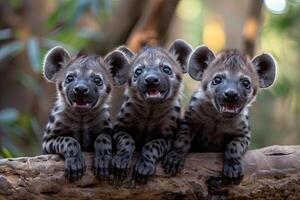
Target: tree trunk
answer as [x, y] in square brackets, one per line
[270, 173]
[252, 27]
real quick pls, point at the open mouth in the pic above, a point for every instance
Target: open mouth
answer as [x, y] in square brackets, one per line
[154, 94]
[81, 104]
[230, 108]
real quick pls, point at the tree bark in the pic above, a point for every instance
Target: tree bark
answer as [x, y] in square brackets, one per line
[252, 27]
[270, 173]
[152, 27]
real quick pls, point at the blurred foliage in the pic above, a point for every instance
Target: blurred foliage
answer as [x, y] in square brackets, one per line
[276, 114]
[19, 131]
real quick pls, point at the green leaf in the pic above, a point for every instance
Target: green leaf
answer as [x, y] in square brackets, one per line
[65, 13]
[6, 153]
[8, 115]
[10, 49]
[34, 54]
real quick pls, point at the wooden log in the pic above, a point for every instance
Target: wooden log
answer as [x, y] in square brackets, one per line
[270, 173]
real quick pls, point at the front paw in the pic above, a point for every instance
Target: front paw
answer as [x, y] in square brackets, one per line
[74, 167]
[101, 167]
[173, 163]
[142, 171]
[233, 173]
[119, 166]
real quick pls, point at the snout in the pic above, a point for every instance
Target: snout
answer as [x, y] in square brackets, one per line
[151, 81]
[155, 88]
[229, 102]
[81, 97]
[231, 96]
[81, 90]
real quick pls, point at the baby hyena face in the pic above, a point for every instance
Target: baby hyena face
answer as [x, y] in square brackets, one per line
[230, 79]
[155, 76]
[82, 83]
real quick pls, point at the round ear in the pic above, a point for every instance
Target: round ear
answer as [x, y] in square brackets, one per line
[266, 68]
[128, 53]
[53, 62]
[119, 66]
[181, 50]
[199, 60]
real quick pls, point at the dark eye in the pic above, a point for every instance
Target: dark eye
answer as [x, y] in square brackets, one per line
[167, 70]
[217, 80]
[98, 81]
[246, 84]
[69, 78]
[138, 72]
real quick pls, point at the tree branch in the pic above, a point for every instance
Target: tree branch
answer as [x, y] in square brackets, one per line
[272, 172]
[153, 25]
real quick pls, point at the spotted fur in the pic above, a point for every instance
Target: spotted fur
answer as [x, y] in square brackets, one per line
[80, 119]
[212, 124]
[147, 124]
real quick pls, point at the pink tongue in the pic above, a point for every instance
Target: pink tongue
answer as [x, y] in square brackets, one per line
[230, 106]
[81, 102]
[153, 92]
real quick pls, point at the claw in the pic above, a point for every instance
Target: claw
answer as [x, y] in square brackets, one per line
[74, 168]
[173, 163]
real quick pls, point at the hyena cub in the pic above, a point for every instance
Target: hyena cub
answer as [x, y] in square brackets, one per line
[80, 118]
[217, 119]
[150, 113]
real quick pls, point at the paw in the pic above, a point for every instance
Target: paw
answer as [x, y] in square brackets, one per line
[119, 166]
[173, 163]
[142, 171]
[74, 167]
[101, 167]
[232, 173]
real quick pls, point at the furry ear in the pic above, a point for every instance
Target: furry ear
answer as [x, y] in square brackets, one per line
[266, 68]
[201, 57]
[128, 53]
[53, 62]
[181, 50]
[119, 66]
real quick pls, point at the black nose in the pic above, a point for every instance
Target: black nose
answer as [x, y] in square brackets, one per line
[81, 90]
[231, 95]
[151, 80]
